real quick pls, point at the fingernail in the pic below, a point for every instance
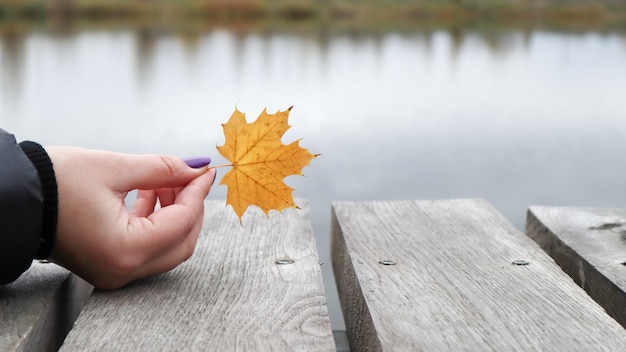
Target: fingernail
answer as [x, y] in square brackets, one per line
[197, 162]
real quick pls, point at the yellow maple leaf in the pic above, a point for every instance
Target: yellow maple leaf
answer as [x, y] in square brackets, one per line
[260, 162]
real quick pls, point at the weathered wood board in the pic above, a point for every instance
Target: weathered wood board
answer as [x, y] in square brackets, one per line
[231, 294]
[39, 308]
[463, 279]
[590, 245]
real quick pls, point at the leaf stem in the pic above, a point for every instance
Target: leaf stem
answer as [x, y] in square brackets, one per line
[219, 166]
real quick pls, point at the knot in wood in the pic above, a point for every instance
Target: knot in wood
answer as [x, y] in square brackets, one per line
[284, 261]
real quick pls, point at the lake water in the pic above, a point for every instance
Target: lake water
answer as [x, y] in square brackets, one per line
[517, 118]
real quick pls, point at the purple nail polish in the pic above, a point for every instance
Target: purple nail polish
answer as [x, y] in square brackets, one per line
[197, 162]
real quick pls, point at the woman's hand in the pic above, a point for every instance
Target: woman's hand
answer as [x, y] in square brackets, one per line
[102, 241]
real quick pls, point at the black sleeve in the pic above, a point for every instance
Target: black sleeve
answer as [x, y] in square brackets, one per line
[28, 205]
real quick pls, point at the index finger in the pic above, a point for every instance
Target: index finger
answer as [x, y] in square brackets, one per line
[170, 226]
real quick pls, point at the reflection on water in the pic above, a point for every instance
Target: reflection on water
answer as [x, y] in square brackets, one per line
[518, 118]
[12, 59]
[146, 40]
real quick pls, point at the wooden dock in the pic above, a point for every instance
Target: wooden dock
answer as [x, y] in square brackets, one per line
[447, 275]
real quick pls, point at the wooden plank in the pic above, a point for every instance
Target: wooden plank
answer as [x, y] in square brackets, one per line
[590, 245]
[454, 285]
[39, 308]
[231, 295]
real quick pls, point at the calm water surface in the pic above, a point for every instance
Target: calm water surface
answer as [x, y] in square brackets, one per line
[517, 118]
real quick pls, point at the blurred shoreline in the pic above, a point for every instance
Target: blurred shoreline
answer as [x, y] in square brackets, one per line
[196, 16]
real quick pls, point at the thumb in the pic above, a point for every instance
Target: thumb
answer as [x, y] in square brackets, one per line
[154, 171]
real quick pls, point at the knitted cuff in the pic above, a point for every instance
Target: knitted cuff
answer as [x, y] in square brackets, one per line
[40, 159]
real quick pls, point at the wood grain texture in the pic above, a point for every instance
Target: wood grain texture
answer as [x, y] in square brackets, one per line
[39, 308]
[590, 245]
[453, 286]
[231, 294]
